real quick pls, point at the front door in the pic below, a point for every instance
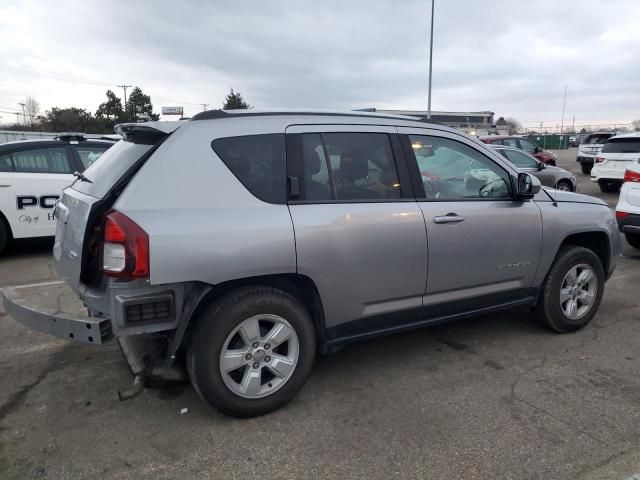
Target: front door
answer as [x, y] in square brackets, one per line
[360, 235]
[484, 245]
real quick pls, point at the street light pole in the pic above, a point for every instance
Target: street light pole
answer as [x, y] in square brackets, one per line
[430, 59]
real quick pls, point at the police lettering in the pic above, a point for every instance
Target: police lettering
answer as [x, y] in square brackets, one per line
[45, 201]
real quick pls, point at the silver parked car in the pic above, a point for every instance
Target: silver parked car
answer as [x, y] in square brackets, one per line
[241, 243]
[549, 176]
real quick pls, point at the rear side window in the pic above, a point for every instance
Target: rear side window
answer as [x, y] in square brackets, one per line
[627, 145]
[258, 161]
[89, 154]
[38, 160]
[596, 139]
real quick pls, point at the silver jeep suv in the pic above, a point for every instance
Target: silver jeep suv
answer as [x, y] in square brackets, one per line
[236, 245]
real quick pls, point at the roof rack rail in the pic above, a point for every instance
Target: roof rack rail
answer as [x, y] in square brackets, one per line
[218, 114]
[70, 136]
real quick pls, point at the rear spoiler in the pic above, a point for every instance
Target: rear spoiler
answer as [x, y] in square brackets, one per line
[147, 132]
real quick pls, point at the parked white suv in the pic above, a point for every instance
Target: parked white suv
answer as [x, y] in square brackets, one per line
[628, 208]
[33, 174]
[614, 158]
[589, 148]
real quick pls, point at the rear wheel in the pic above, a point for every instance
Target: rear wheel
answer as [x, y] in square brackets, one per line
[633, 239]
[572, 291]
[586, 167]
[251, 351]
[565, 186]
[608, 187]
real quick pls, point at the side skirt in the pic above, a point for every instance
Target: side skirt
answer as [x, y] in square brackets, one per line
[377, 326]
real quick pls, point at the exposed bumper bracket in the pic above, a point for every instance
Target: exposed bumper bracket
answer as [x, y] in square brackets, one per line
[81, 328]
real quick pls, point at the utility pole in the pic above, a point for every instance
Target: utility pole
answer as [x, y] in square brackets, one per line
[564, 102]
[124, 88]
[573, 124]
[430, 59]
[204, 106]
[24, 116]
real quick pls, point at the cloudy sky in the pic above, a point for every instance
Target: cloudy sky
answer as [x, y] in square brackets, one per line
[510, 57]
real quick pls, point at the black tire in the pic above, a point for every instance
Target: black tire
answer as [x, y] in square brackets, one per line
[586, 168]
[633, 239]
[565, 183]
[216, 322]
[608, 187]
[5, 235]
[548, 310]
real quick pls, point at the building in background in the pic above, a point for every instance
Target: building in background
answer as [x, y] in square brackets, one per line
[473, 123]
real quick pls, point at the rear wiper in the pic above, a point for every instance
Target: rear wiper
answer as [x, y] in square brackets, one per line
[81, 177]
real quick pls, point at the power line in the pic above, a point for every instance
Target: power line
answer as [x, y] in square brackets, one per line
[53, 75]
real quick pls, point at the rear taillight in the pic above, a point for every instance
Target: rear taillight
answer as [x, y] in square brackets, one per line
[630, 176]
[620, 215]
[125, 250]
[599, 159]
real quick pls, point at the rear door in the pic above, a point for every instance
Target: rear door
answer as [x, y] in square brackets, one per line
[359, 233]
[31, 188]
[484, 245]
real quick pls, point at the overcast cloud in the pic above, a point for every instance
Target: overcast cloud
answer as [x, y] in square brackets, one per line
[510, 57]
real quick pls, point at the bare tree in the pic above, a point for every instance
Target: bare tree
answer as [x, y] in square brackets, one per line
[636, 125]
[514, 125]
[31, 109]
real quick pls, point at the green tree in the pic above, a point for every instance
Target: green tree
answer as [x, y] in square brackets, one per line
[111, 109]
[234, 101]
[139, 106]
[67, 120]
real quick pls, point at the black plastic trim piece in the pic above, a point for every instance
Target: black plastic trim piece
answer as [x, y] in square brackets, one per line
[380, 325]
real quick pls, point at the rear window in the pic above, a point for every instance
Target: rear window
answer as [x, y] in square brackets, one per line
[110, 167]
[620, 145]
[89, 154]
[258, 161]
[596, 139]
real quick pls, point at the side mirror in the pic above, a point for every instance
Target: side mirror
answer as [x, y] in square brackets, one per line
[528, 186]
[541, 166]
[536, 150]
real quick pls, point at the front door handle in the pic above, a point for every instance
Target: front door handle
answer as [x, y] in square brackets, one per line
[448, 218]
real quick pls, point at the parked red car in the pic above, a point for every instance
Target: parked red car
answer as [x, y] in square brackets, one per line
[523, 144]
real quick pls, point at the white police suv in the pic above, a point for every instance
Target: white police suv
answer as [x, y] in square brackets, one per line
[33, 174]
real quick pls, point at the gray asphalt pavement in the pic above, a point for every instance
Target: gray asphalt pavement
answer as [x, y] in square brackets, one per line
[493, 397]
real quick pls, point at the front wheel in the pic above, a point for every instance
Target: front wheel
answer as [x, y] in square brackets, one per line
[586, 168]
[572, 291]
[251, 351]
[564, 186]
[633, 239]
[4, 235]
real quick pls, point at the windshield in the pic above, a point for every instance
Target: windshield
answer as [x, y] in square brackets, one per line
[110, 167]
[620, 145]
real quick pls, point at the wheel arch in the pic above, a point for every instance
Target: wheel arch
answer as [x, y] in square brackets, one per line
[5, 221]
[596, 241]
[301, 287]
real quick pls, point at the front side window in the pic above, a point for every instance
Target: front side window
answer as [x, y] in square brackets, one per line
[39, 160]
[349, 166]
[258, 161]
[510, 142]
[451, 170]
[88, 155]
[519, 159]
[527, 146]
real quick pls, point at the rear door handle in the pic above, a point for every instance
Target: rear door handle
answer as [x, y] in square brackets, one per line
[448, 218]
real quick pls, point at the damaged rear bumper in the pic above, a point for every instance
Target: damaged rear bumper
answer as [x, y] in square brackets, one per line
[47, 318]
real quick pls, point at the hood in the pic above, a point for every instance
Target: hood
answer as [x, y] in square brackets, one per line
[567, 197]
